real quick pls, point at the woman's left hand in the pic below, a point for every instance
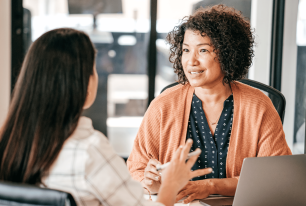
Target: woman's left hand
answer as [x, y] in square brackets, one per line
[195, 190]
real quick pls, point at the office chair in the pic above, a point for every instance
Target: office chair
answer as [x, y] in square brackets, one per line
[17, 194]
[276, 96]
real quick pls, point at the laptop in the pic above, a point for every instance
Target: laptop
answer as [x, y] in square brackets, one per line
[276, 180]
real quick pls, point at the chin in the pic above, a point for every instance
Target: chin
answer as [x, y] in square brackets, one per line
[194, 83]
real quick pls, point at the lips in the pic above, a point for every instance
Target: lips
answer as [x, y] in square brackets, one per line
[199, 72]
[196, 72]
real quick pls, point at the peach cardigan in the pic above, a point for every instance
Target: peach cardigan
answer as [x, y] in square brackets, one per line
[257, 129]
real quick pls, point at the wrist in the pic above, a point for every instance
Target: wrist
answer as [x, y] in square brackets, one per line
[172, 186]
[167, 194]
[212, 187]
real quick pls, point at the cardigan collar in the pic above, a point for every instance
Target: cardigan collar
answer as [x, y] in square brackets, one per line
[190, 91]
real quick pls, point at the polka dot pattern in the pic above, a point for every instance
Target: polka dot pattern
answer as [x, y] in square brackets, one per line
[214, 148]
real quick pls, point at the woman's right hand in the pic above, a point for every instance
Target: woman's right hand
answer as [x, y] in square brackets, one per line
[179, 170]
[178, 174]
[152, 179]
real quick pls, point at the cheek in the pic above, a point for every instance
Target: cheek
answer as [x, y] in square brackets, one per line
[184, 62]
[216, 63]
[208, 61]
[184, 57]
[213, 65]
[218, 67]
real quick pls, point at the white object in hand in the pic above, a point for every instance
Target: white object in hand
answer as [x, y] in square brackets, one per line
[196, 152]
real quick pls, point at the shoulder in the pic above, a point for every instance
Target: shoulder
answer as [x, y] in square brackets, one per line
[250, 96]
[171, 96]
[85, 137]
[100, 143]
[97, 137]
[94, 145]
[85, 133]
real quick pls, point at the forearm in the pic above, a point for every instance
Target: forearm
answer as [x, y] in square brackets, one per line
[226, 186]
[167, 194]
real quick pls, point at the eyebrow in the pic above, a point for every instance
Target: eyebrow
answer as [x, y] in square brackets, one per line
[201, 44]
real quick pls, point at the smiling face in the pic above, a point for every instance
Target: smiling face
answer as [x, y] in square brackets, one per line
[200, 62]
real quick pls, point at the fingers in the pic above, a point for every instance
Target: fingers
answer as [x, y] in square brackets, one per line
[184, 188]
[148, 182]
[192, 160]
[152, 170]
[153, 162]
[182, 194]
[189, 198]
[186, 150]
[151, 176]
[150, 173]
[177, 153]
[200, 172]
[151, 167]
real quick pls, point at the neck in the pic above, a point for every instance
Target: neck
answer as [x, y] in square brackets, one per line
[214, 94]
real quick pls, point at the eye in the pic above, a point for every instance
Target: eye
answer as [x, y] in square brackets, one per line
[185, 50]
[203, 50]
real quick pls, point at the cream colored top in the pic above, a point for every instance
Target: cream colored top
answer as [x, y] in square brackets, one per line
[90, 170]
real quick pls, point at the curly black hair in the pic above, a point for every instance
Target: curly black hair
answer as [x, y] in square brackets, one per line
[229, 33]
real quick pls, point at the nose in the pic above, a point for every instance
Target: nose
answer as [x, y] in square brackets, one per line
[193, 59]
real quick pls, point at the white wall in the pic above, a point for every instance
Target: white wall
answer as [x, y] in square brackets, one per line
[289, 67]
[261, 21]
[5, 57]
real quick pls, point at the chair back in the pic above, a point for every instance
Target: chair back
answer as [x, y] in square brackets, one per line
[276, 96]
[17, 194]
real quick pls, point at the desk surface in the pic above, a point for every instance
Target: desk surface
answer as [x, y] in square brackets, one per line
[210, 201]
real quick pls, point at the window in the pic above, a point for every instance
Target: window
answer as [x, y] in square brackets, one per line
[300, 97]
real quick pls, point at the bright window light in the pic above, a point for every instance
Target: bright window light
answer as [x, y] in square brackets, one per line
[127, 40]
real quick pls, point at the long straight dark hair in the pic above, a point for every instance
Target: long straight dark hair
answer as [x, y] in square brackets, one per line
[47, 103]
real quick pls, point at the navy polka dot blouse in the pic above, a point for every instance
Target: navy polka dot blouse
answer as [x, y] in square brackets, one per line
[214, 148]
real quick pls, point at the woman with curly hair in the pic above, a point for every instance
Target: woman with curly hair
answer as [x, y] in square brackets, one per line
[210, 50]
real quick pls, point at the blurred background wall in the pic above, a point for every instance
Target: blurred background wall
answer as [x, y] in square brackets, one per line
[5, 57]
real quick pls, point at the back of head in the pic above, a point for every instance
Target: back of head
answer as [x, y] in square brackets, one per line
[47, 102]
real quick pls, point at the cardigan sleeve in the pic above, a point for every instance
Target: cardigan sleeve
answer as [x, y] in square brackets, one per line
[272, 140]
[146, 143]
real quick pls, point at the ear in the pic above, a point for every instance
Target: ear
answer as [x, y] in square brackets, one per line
[91, 90]
[87, 103]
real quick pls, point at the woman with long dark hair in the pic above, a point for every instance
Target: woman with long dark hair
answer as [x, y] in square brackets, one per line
[46, 142]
